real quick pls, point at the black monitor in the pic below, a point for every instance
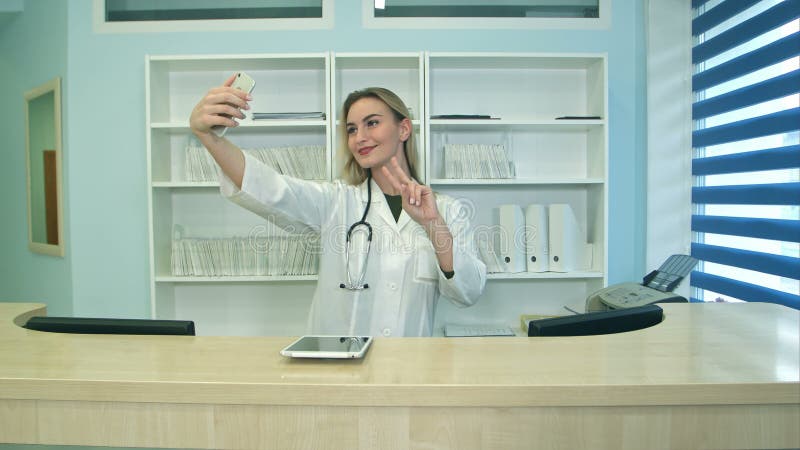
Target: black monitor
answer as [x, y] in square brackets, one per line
[85, 325]
[604, 322]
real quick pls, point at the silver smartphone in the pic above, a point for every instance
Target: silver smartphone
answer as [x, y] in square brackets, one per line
[328, 347]
[243, 82]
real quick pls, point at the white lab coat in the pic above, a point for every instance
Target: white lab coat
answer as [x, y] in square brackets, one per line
[402, 272]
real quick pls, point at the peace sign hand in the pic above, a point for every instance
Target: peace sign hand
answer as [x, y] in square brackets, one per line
[418, 200]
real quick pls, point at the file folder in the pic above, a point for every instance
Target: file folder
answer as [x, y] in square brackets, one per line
[567, 240]
[536, 240]
[510, 243]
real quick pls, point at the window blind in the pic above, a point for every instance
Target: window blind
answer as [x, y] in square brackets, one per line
[746, 151]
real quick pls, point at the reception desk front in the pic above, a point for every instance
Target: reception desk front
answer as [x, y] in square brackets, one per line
[708, 376]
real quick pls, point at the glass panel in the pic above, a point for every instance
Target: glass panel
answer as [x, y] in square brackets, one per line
[487, 8]
[769, 246]
[757, 110]
[766, 280]
[761, 143]
[756, 177]
[158, 10]
[711, 296]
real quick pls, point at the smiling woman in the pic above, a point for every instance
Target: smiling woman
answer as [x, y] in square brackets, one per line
[43, 148]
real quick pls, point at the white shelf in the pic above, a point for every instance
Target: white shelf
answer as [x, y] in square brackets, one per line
[544, 275]
[543, 124]
[192, 184]
[268, 279]
[513, 181]
[232, 279]
[415, 122]
[248, 124]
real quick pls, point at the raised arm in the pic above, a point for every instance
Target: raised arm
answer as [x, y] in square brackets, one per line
[219, 107]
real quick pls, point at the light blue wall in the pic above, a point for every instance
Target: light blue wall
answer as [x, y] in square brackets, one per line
[33, 50]
[106, 167]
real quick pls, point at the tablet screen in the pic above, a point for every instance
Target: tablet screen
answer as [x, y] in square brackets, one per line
[328, 347]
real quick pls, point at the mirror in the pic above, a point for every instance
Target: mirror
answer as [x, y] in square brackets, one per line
[43, 158]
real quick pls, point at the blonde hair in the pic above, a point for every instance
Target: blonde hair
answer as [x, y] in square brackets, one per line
[352, 172]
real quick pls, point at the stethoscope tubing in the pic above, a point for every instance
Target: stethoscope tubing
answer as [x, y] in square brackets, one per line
[359, 284]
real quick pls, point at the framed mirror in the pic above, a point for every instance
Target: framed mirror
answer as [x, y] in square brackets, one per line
[43, 158]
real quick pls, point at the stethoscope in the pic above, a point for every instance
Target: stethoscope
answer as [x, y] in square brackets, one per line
[364, 227]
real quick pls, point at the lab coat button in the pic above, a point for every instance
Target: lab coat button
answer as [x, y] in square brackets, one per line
[387, 332]
[392, 286]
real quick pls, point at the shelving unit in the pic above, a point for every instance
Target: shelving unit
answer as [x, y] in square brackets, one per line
[174, 84]
[556, 161]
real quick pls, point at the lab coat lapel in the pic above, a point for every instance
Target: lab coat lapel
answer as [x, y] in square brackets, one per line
[379, 206]
[403, 220]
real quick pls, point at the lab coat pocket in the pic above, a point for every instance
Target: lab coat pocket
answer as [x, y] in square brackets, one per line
[427, 268]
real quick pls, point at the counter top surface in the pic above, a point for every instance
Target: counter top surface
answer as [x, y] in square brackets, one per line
[701, 353]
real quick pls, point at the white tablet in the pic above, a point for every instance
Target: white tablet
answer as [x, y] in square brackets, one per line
[328, 347]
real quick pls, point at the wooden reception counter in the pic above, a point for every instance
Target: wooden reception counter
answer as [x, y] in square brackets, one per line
[708, 376]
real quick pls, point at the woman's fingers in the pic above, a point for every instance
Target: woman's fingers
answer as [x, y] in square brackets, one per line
[392, 179]
[230, 80]
[398, 171]
[401, 181]
[224, 108]
[230, 96]
[418, 194]
[220, 106]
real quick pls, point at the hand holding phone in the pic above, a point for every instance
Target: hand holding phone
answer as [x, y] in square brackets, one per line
[242, 82]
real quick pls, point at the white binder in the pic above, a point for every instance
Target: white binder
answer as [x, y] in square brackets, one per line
[536, 240]
[568, 248]
[510, 242]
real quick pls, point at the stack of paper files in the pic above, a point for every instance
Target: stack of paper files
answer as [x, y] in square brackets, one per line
[220, 257]
[303, 161]
[289, 115]
[477, 161]
[199, 165]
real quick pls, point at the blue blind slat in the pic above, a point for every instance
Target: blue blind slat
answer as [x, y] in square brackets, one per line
[719, 14]
[777, 87]
[766, 125]
[770, 159]
[765, 56]
[742, 290]
[761, 228]
[779, 265]
[748, 194]
[770, 19]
